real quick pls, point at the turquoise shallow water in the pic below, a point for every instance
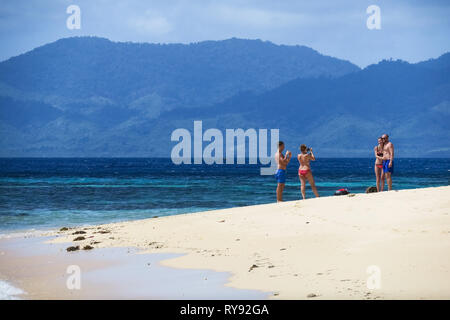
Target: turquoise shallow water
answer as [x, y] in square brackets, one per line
[45, 193]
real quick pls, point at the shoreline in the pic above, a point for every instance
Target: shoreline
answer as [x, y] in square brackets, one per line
[33, 269]
[321, 248]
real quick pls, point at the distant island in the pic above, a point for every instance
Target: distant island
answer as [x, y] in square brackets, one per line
[90, 97]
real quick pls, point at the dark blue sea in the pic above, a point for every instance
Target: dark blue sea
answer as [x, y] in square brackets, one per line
[41, 193]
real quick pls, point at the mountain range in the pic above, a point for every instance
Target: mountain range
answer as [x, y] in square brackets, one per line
[90, 97]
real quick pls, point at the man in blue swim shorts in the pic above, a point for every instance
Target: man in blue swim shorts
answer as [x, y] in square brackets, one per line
[387, 167]
[280, 175]
[388, 162]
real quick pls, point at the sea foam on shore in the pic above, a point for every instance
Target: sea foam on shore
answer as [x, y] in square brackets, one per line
[9, 292]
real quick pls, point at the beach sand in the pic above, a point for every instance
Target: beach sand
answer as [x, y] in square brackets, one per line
[391, 245]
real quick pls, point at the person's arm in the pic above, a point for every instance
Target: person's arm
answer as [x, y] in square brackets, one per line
[311, 155]
[288, 157]
[392, 155]
[282, 160]
[375, 150]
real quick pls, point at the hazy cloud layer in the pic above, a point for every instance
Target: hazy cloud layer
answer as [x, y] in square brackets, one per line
[411, 30]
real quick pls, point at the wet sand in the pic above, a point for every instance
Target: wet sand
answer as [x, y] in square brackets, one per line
[42, 271]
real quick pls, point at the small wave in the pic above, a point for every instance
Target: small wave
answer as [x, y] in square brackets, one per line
[9, 292]
[4, 234]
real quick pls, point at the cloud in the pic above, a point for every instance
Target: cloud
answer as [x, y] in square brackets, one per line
[254, 17]
[150, 24]
[412, 30]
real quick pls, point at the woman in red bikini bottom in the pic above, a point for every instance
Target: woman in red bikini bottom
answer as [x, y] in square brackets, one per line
[304, 171]
[378, 150]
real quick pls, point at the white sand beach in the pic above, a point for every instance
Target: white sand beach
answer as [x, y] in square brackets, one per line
[391, 245]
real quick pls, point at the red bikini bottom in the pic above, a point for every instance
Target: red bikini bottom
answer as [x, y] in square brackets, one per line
[303, 173]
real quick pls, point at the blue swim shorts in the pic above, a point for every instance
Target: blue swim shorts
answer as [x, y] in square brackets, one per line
[386, 166]
[281, 176]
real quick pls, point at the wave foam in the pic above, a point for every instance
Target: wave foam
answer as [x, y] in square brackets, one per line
[9, 292]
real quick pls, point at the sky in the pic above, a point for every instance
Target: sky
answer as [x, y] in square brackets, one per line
[411, 30]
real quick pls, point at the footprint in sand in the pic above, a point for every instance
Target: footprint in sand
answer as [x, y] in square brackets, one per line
[298, 205]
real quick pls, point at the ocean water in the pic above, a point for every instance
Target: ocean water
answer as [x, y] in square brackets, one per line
[42, 193]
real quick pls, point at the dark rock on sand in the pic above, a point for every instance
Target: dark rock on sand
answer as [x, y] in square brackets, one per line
[88, 247]
[79, 238]
[311, 295]
[79, 232]
[73, 248]
[371, 189]
[252, 267]
[64, 229]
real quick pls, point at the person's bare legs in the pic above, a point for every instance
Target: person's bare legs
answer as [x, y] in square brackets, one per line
[378, 177]
[312, 183]
[303, 186]
[382, 181]
[280, 189]
[389, 180]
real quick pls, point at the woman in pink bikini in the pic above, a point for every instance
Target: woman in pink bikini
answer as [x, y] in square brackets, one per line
[304, 171]
[378, 150]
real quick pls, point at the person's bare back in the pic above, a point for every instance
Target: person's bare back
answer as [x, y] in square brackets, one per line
[304, 160]
[304, 170]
